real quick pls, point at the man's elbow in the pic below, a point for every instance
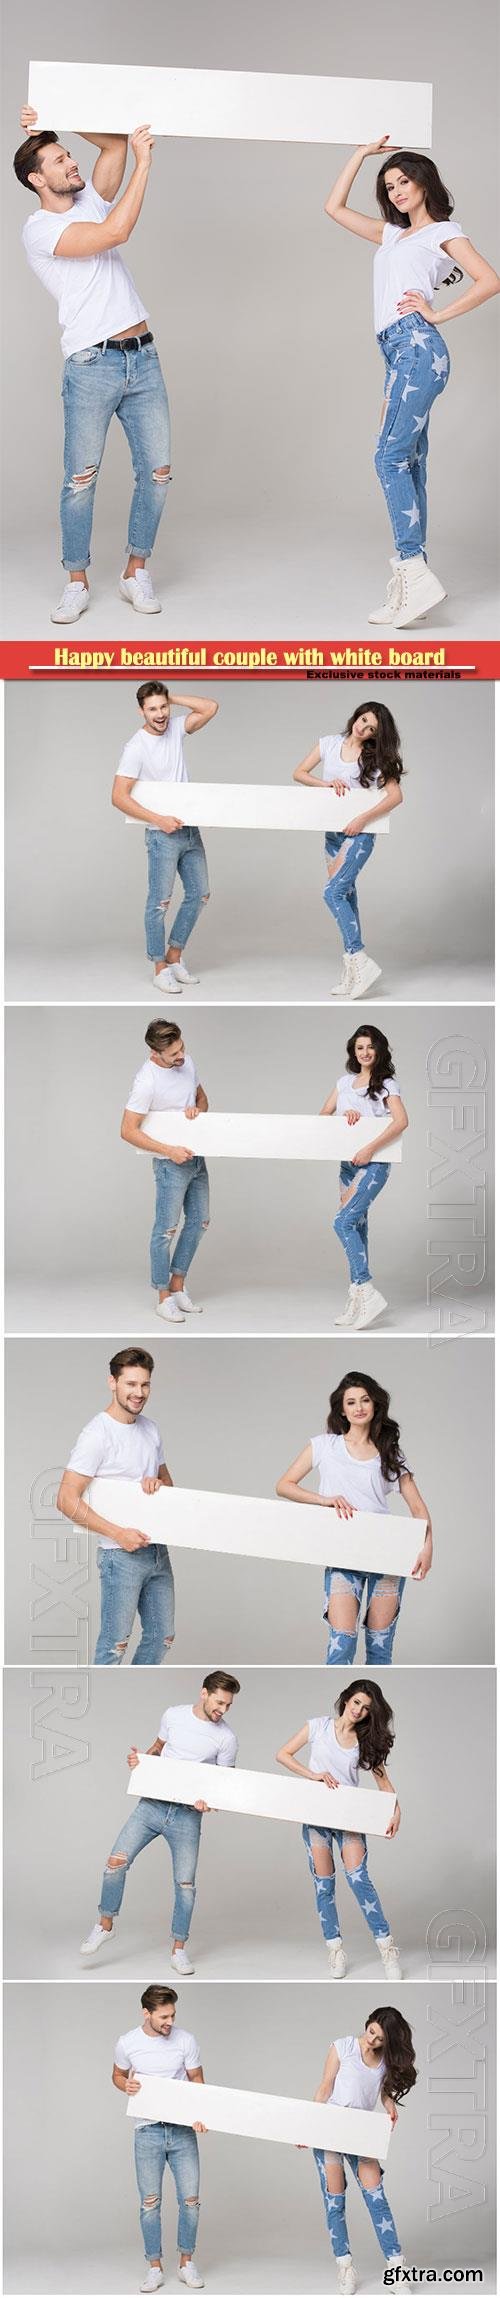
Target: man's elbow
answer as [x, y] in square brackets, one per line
[62, 1498]
[125, 1133]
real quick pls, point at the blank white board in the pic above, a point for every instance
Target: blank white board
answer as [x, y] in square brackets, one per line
[277, 1530]
[270, 107]
[255, 805]
[263, 1795]
[239, 1133]
[263, 2114]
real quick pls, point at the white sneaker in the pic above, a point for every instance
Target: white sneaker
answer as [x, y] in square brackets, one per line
[390, 1958]
[363, 973]
[346, 2276]
[191, 1308]
[419, 592]
[346, 1315]
[183, 974]
[368, 1304]
[181, 1963]
[167, 979]
[398, 2260]
[73, 602]
[153, 2278]
[138, 589]
[189, 2273]
[386, 613]
[97, 1938]
[337, 1959]
[169, 1311]
[341, 988]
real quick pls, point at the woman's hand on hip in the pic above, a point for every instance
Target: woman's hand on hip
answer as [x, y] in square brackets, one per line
[413, 302]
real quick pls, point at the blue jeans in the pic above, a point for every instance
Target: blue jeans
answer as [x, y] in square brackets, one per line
[155, 2144]
[417, 366]
[359, 1882]
[376, 2202]
[179, 1189]
[351, 1225]
[96, 385]
[169, 851]
[140, 1581]
[340, 891]
[378, 1641]
[179, 1824]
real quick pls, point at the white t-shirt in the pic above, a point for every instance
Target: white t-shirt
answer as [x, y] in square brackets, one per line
[174, 2055]
[360, 1481]
[353, 1096]
[355, 2084]
[194, 1739]
[109, 1447]
[156, 757]
[94, 293]
[326, 1753]
[335, 768]
[413, 260]
[155, 1088]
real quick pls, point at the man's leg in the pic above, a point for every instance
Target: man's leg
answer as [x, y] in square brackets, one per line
[89, 400]
[193, 872]
[183, 2161]
[156, 1608]
[182, 1833]
[143, 411]
[142, 1827]
[121, 1576]
[171, 1182]
[163, 848]
[196, 1219]
[150, 2158]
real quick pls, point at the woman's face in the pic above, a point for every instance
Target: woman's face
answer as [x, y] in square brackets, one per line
[365, 725]
[358, 1407]
[374, 2035]
[357, 1706]
[403, 192]
[365, 1050]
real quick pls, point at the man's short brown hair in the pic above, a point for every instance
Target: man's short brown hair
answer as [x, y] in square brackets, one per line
[26, 159]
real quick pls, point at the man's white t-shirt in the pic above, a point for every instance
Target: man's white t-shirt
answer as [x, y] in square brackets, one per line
[194, 1739]
[175, 2055]
[95, 294]
[353, 1096]
[156, 757]
[155, 1088]
[326, 1754]
[355, 2084]
[362, 1482]
[109, 1447]
[413, 260]
[335, 768]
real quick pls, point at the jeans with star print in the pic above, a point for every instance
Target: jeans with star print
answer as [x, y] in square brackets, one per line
[351, 1224]
[378, 1641]
[359, 1882]
[340, 892]
[417, 366]
[376, 2202]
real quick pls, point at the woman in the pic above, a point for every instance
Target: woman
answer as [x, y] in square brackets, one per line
[368, 1079]
[368, 2070]
[416, 243]
[357, 1737]
[366, 756]
[360, 1463]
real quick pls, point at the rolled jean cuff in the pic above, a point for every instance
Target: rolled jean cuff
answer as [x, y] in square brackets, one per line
[82, 562]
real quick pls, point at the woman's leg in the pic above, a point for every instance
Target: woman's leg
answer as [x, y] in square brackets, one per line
[332, 2182]
[319, 1847]
[354, 1861]
[343, 1593]
[382, 1614]
[369, 2177]
[352, 1234]
[340, 892]
[150, 2159]
[419, 372]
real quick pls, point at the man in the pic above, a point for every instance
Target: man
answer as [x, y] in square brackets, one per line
[158, 2047]
[168, 1080]
[156, 754]
[196, 1734]
[73, 243]
[135, 1573]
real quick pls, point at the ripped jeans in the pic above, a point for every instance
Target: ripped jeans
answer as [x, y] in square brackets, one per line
[179, 1189]
[376, 2202]
[417, 366]
[135, 1580]
[170, 851]
[155, 2145]
[179, 1824]
[96, 385]
[340, 891]
[351, 1224]
[378, 1641]
[358, 1879]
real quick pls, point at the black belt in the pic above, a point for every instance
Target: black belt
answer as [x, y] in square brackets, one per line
[125, 342]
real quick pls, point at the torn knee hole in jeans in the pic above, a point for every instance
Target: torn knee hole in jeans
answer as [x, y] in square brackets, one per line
[192, 2202]
[169, 1232]
[84, 478]
[116, 1859]
[162, 475]
[151, 2201]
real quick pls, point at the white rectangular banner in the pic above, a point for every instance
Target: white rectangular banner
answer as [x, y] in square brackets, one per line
[269, 107]
[264, 2114]
[256, 805]
[263, 1794]
[279, 1531]
[239, 1133]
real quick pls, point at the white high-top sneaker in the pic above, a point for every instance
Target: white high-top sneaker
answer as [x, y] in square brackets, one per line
[337, 1959]
[346, 2276]
[386, 613]
[346, 1315]
[419, 592]
[341, 988]
[363, 973]
[368, 1304]
[390, 1958]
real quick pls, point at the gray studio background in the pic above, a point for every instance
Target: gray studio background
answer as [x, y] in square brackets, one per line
[80, 1201]
[255, 1914]
[76, 875]
[261, 2224]
[262, 310]
[232, 1422]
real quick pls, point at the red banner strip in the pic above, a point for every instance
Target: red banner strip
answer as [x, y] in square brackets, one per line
[327, 659]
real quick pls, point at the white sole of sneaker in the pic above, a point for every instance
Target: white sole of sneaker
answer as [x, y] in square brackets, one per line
[408, 619]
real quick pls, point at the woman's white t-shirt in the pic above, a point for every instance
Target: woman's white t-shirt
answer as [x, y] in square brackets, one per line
[410, 260]
[156, 1088]
[326, 1753]
[353, 1096]
[109, 1447]
[95, 293]
[360, 1481]
[175, 2055]
[195, 1739]
[355, 2084]
[335, 768]
[156, 757]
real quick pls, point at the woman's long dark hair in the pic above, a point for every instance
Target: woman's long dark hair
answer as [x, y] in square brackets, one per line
[380, 757]
[383, 1065]
[399, 2055]
[374, 1732]
[438, 200]
[384, 1432]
